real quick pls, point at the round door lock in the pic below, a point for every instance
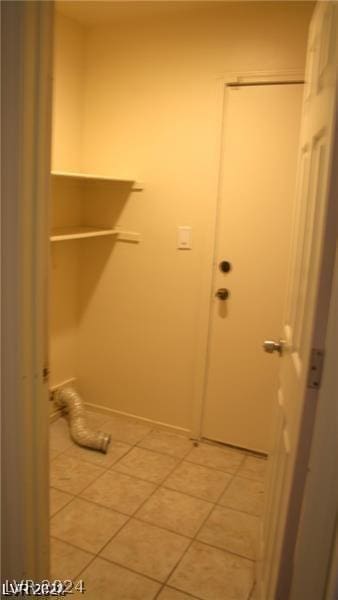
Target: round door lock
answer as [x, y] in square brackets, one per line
[224, 266]
[222, 294]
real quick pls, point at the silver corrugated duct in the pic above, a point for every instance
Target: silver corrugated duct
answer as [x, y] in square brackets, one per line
[69, 400]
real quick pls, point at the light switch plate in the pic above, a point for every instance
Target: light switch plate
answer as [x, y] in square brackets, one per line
[184, 237]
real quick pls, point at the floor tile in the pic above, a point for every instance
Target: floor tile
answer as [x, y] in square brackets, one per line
[54, 453]
[224, 459]
[231, 530]
[126, 430]
[106, 581]
[146, 464]
[67, 561]
[169, 594]
[86, 525]
[59, 438]
[115, 451]
[253, 468]
[198, 481]
[175, 511]
[168, 443]
[58, 500]
[213, 574]
[96, 419]
[119, 491]
[71, 475]
[245, 495]
[146, 549]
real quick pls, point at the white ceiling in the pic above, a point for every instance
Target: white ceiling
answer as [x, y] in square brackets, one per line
[94, 12]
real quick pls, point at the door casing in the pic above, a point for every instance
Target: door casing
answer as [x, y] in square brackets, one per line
[27, 29]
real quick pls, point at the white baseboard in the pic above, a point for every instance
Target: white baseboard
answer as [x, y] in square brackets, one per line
[158, 424]
[104, 410]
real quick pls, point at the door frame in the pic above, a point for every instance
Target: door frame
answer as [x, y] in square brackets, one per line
[206, 283]
[316, 572]
[26, 74]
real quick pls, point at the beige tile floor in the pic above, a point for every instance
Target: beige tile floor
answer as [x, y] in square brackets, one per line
[156, 517]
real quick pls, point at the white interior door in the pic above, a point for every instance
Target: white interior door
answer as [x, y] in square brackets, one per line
[304, 328]
[258, 174]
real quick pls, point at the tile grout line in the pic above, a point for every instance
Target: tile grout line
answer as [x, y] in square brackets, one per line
[153, 429]
[172, 587]
[177, 465]
[81, 498]
[99, 554]
[194, 539]
[243, 512]
[111, 562]
[191, 540]
[142, 520]
[146, 500]
[109, 470]
[59, 539]
[96, 555]
[158, 486]
[139, 508]
[185, 458]
[134, 516]
[105, 469]
[252, 590]
[222, 550]
[244, 453]
[62, 507]
[180, 460]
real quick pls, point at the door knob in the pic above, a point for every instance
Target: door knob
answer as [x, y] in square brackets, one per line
[271, 346]
[222, 293]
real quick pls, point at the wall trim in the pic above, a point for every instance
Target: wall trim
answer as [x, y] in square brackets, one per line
[110, 412]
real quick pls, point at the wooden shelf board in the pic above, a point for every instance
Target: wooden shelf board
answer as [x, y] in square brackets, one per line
[77, 233]
[90, 177]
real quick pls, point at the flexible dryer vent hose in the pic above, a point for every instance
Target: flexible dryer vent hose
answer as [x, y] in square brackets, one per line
[69, 400]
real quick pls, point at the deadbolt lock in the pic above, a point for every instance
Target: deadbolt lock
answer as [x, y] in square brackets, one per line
[224, 266]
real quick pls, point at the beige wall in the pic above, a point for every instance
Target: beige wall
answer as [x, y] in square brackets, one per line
[68, 93]
[150, 94]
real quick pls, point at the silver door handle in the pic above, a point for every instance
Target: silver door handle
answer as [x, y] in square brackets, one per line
[271, 346]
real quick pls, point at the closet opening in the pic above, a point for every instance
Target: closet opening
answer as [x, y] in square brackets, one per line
[175, 134]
